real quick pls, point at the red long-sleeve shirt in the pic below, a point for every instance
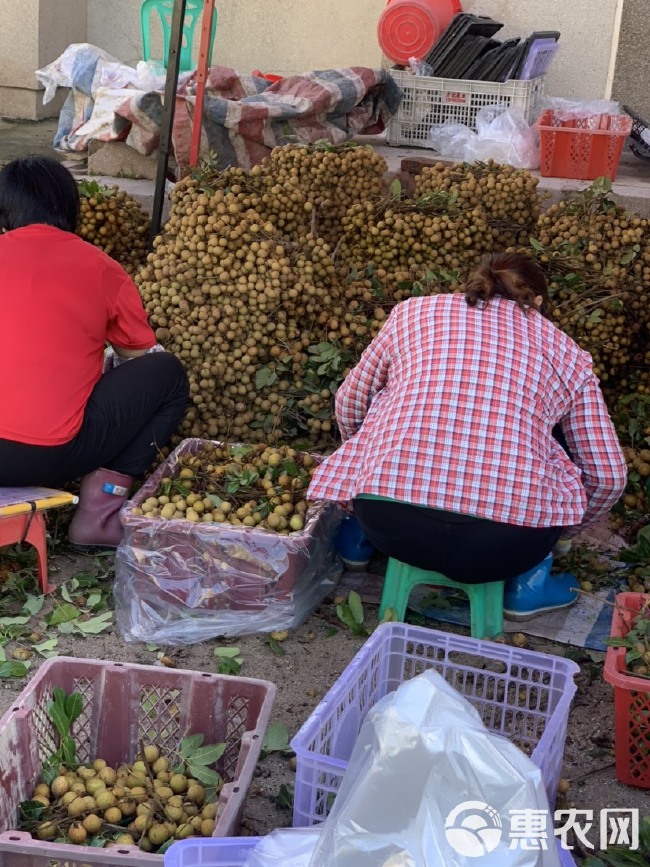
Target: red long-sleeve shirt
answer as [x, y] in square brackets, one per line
[63, 299]
[452, 407]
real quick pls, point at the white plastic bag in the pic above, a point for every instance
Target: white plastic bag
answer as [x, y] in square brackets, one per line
[429, 786]
[151, 75]
[503, 134]
[285, 847]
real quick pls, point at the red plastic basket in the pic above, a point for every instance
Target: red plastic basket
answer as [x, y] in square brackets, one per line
[584, 148]
[631, 700]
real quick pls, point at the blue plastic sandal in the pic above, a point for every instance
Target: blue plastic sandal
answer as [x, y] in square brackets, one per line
[538, 592]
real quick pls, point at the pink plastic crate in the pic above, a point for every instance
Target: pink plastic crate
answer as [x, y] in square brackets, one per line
[521, 695]
[147, 703]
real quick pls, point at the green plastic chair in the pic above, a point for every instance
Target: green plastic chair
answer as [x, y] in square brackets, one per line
[485, 600]
[165, 9]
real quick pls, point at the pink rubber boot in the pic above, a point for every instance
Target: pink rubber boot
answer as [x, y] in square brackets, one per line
[96, 523]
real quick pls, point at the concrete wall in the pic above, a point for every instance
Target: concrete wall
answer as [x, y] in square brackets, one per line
[631, 72]
[33, 34]
[287, 36]
[588, 29]
[282, 36]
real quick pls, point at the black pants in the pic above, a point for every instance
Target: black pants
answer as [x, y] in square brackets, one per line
[465, 549]
[131, 413]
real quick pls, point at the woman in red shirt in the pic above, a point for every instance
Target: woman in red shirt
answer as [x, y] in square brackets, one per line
[64, 300]
[449, 455]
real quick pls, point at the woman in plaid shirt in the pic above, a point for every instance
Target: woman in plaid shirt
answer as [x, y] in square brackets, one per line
[449, 457]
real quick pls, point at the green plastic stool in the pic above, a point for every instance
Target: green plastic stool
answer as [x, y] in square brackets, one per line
[165, 9]
[485, 600]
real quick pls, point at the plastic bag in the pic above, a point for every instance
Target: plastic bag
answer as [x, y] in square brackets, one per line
[151, 75]
[503, 134]
[429, 786]
[420, 67]
[180, 583]
[567, 109]
[285, 847]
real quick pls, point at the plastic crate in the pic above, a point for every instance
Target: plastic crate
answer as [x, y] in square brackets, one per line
[584, 148]
[631, 700]
[522, 695]
[233, 852]
[431, 102]
[124, 704]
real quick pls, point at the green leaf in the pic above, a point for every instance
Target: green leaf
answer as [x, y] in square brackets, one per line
[215, 500]
[93, 600]
[49, 773]
[151, 647]
[65, 593]
[65, 613]
[396, 188]
[227, 652]
[207, 755]
[46, 648]
[535, 244]
[14, 621]
[265, 376]
[331, 631]
[33, 604]
[189, 745]
[165, 846]
[285, 797]
[613, 641]
[13, 669]
[66, 628]
[96, 624]
[356, 606]
[276, 646]
[59, 697]
[74, 706]
[276, 739]
[68, 751]
[98, 842]
[60, 719]
[204, 775]
[30, 810]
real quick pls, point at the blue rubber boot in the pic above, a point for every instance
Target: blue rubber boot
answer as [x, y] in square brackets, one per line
[538, 592]
[352, 544]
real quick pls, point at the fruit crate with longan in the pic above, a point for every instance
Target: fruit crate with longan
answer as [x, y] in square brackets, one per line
[627, 669]
[228, 559]
[123, 711]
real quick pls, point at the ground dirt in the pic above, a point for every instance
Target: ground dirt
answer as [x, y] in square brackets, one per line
[313, 658]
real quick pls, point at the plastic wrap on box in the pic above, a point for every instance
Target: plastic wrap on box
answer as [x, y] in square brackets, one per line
[179, 582]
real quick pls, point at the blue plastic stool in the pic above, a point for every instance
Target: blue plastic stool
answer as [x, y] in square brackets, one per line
[165, 9]
[485, 600]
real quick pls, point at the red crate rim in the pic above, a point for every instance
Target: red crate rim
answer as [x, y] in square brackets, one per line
[615, 671]
[545, 124]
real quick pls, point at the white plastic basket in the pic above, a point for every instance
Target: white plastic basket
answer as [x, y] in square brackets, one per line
[431, 102]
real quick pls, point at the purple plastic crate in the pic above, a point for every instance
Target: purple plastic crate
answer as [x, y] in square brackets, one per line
[211, 852]
[521, 695]
[233, 852]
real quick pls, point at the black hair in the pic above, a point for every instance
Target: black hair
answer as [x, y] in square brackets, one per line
[38, 189]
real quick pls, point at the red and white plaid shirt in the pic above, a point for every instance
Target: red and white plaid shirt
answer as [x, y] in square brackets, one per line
[452, 407]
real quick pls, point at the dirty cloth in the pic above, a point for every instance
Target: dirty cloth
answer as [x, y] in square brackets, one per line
[244, 116]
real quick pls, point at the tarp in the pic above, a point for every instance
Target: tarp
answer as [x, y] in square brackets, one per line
[244, 116]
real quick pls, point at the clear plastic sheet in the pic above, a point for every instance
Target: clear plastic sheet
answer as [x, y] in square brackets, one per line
[503, 134]
[181, 583]
[285, 847]
[569, 109]
[429, 786]
[420, 67]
